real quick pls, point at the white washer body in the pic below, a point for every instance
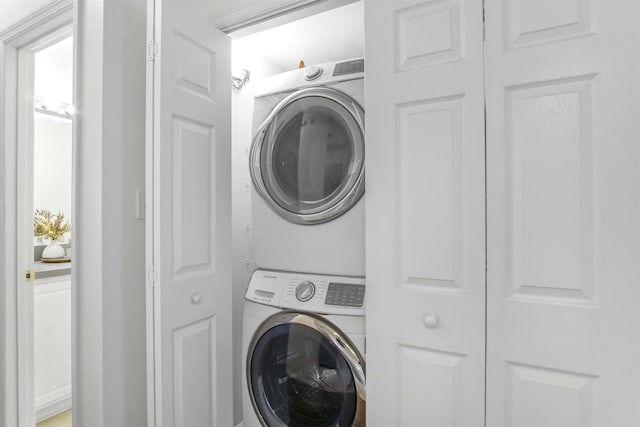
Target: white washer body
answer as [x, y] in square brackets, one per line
[273, 292]
[333, 247]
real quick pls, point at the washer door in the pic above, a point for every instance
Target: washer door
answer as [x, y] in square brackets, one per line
[307, 158]
[302, 371]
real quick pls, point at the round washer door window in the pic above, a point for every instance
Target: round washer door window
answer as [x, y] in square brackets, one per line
[307, 159]
[299, 376]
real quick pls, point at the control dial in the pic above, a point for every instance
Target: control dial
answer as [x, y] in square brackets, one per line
[312, 72]
[305, 291]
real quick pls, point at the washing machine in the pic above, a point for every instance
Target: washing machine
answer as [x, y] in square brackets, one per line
[307, 168]
[304, 346]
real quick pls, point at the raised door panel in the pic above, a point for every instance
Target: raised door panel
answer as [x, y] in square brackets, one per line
[193, 67]
[430, 200]
[565, 396]
[194, 366]
[550, 222]
[426, 33]
[535, 22]
[421, 368]
[194, 188]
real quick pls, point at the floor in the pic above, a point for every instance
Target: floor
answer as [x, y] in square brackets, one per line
[60, 420]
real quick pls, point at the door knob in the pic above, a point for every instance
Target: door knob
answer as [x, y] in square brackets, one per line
[196, 298]
[430, 321]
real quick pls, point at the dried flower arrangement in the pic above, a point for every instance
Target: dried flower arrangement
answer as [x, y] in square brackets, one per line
[45, 224]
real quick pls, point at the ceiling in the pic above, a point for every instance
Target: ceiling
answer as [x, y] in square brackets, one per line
[209, 8]
[328, 36]
[12, 11]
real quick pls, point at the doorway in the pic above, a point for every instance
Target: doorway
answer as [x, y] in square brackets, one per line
[37, 283]
[52, 184]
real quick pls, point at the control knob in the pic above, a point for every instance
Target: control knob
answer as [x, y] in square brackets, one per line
[312, 72]
[305, 291]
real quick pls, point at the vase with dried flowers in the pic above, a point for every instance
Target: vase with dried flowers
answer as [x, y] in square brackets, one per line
[49, 226]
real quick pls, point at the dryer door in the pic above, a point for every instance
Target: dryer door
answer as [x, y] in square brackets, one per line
[307, 158]
[302, 370]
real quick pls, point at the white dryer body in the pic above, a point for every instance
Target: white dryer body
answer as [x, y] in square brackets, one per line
[307, 163]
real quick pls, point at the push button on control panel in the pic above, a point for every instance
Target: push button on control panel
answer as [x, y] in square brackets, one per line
[305, 291]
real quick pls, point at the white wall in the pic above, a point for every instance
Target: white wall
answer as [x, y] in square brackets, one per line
[53, 73]
[308, 39]
[52, 164]
[109, 243]
[243, 266]
[123, 161]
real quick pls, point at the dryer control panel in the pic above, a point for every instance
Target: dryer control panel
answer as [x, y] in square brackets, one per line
[310, 292]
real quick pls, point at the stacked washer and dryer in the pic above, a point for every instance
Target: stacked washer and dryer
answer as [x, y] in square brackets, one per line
[304, 324]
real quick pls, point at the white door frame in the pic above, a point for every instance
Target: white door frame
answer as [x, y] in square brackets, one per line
[41, 23]
[24, 223]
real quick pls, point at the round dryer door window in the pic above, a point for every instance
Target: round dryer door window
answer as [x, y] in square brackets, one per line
[307, 158]
[303, 372]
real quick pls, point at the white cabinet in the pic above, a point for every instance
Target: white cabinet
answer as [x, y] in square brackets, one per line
[52, 346]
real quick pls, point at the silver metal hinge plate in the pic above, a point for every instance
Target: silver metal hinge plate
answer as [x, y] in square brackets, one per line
[152, 276]
[484, 27]
[152, 51]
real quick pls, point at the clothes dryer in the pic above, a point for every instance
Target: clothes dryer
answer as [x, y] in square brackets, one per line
[303, 345]
[307, 168]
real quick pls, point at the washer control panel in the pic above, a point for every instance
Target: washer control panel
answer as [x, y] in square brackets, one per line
[310, 292]
[326, 74]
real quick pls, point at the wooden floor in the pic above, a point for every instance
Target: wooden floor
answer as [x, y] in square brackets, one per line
[60, 420]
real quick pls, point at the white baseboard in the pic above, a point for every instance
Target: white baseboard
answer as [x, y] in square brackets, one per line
[241, 424]
[53, 403]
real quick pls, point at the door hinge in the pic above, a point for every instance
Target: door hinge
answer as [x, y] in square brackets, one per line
[30, 275]
[152, 50]
[152, 276]
[484, 25]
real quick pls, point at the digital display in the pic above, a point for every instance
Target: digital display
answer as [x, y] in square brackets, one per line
[345, 295]
[349, 67]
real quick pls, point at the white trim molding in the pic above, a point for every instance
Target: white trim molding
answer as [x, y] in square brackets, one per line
[3, 319]
[261, 15]
[44, 15]
[53, 403]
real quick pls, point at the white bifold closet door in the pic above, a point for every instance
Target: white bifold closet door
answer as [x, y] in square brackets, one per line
[191, 194]
[425, 213]
[563, 199]
[562, 205]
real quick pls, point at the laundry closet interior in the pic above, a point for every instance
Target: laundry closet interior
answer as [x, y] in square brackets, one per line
[496, 283]
[314, 163]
